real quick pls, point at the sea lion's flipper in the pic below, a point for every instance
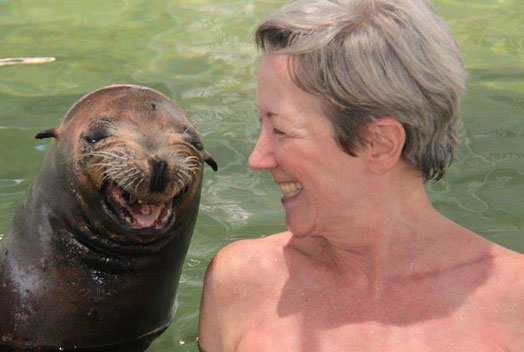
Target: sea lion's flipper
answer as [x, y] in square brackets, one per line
[51, 132]
[208, 158]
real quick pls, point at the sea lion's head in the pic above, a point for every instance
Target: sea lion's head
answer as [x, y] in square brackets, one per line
[134, 161]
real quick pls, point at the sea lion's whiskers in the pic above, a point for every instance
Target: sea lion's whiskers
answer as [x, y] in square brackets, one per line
[114, 154]
[178, 155]
[128, 179]
[179, 182]
[133, 179]
[124, 182]
[125, 155]
[184, 173]
[115, 169]
[141, 180]
[111, 173]
[191, 164]
[194, 170]
[186, 165]
[101, 165]
[106, 177]
[137, 174]
[192, 157]
[110, 154]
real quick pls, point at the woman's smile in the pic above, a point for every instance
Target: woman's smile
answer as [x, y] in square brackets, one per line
[290, 189]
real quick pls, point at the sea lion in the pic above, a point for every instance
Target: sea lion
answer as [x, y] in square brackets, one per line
[94, 256]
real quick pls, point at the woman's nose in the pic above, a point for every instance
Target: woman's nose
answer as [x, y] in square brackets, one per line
[262, 157]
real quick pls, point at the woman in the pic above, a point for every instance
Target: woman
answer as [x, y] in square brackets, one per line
[358, 104]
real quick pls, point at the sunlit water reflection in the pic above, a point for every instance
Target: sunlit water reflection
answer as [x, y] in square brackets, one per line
[200, 53]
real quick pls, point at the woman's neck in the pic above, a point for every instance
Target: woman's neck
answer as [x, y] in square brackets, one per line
[397, 236]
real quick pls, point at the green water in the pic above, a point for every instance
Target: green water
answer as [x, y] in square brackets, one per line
[200, 53]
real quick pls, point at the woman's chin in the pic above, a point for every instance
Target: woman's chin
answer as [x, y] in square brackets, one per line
[298, 227]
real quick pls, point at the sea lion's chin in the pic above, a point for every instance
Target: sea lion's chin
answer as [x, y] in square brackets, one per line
[133, 213]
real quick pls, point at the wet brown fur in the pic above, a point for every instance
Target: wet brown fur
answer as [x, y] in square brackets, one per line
[71, 276]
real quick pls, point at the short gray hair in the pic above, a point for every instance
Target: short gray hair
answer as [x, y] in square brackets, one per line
[372, 58]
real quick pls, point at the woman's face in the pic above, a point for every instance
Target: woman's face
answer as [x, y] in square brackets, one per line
[297, 146]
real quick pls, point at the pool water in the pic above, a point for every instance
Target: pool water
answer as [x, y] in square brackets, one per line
[200, 53]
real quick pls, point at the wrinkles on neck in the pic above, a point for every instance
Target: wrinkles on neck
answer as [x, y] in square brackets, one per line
[397, 241]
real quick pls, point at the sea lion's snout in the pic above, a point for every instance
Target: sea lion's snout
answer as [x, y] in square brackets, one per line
[142, 191]
[158, 172]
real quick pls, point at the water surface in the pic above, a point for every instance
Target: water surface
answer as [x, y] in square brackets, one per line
[200, 53]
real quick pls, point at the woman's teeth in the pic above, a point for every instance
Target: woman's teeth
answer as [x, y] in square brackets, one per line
[290, 189]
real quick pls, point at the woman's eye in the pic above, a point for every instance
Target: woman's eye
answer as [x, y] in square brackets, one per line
[278, 132]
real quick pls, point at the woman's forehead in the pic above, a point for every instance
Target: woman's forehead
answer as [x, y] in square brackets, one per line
[278, 96]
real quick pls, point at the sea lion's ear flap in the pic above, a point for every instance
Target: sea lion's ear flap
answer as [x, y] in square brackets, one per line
[208, 158]
[49, 133]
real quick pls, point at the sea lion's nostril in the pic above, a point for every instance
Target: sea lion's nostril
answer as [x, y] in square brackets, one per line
[158, 175]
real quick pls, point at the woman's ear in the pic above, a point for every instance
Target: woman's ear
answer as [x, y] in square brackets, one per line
[385, 140]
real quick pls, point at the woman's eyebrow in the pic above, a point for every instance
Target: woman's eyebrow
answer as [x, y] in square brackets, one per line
[268, 114]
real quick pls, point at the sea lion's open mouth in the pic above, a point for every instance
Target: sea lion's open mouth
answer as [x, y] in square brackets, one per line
[136, 213]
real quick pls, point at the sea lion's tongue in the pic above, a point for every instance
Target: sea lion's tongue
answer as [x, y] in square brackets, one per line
[146, 214]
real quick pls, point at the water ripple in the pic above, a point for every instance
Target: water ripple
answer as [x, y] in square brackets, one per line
[10, 183]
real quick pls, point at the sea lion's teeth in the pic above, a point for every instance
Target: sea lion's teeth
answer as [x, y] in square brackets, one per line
[146, 210]
[290, 189]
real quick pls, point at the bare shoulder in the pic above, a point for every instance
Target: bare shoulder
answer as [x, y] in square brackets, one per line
[508, 267]
[250, 262]
[237, 280]
[508, 295]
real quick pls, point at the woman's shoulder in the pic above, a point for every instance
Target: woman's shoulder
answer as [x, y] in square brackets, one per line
[251, 261]
[237, 281]
[256, 246]
[508, 265]
[506, 293]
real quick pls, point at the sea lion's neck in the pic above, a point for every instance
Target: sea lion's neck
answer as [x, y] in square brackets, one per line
[53, 225]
